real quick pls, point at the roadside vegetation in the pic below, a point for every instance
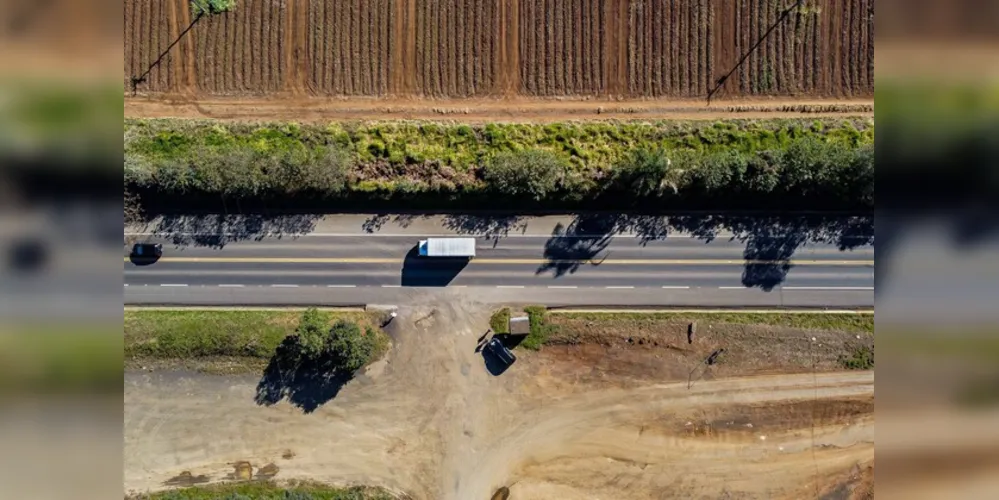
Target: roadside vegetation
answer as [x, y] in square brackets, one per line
[792, 341]
[500, 321]
[850, 322]
[44, 358]
[860, 357]
[237, 341]
[268, 490]
[738, 164]
[540, 329]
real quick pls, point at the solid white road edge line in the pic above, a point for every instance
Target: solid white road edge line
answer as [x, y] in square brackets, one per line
[828, 288]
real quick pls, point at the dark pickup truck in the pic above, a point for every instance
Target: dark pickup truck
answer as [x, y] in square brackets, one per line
[496, 348]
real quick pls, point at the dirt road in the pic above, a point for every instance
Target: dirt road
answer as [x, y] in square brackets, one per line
[307, 109]
[432, 422]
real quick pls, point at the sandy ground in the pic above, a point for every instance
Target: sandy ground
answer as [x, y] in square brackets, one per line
[306, 109]
[431, 421]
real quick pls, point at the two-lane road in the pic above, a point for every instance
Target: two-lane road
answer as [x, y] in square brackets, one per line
[327, 268]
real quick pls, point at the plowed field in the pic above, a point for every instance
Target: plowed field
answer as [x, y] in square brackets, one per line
[504, 48]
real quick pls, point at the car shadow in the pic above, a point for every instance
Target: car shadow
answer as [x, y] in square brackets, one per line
[143, 260]
[494, 365]
[28, 256]
[510, 340]
[430, 271]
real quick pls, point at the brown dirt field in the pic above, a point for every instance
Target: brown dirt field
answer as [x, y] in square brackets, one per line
[490, 48]
[662, 347]
[289, 107]
[431, 421]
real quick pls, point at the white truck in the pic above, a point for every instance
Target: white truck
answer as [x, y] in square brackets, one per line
[448, 247]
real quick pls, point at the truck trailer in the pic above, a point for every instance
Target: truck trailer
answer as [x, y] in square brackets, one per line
[448, 247]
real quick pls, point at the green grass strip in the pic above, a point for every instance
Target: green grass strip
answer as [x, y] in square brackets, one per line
[268, 490]
[202, 333]
[821, 321]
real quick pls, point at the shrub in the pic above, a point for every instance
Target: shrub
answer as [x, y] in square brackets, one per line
[741, 166]
[718, 174]
[500, 321]
[533, 174]
[859, 358]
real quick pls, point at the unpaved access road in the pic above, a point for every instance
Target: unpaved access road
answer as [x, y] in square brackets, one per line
[314, 109]
[432, 422]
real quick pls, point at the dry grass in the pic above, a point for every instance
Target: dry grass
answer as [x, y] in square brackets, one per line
[752, 343]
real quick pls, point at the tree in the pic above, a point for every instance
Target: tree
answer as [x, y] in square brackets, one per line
[344, 344]
[350, 347]
[312, 332]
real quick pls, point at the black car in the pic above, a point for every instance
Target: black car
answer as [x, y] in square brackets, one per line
[147, 250]
[496, 348]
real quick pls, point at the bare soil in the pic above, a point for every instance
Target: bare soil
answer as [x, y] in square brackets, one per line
[292, 107]
[480, 48]
[432, 421]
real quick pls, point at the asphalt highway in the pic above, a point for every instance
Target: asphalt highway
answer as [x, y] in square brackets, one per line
[358, 267]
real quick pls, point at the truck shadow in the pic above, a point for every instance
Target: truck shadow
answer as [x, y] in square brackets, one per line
[430, 271]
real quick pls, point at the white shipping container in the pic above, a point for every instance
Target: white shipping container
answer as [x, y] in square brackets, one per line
[447, 247]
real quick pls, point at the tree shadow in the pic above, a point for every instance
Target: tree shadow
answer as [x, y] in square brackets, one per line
[581, 242]
[770, 240]
[376, 222]
[489, 226]
[218, 230]
[304, 383]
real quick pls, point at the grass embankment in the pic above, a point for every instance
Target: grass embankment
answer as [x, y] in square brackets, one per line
[59, 358]
[268, 490]
[231, 341]
[785, 164]
[856, 352]
[860, 323]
